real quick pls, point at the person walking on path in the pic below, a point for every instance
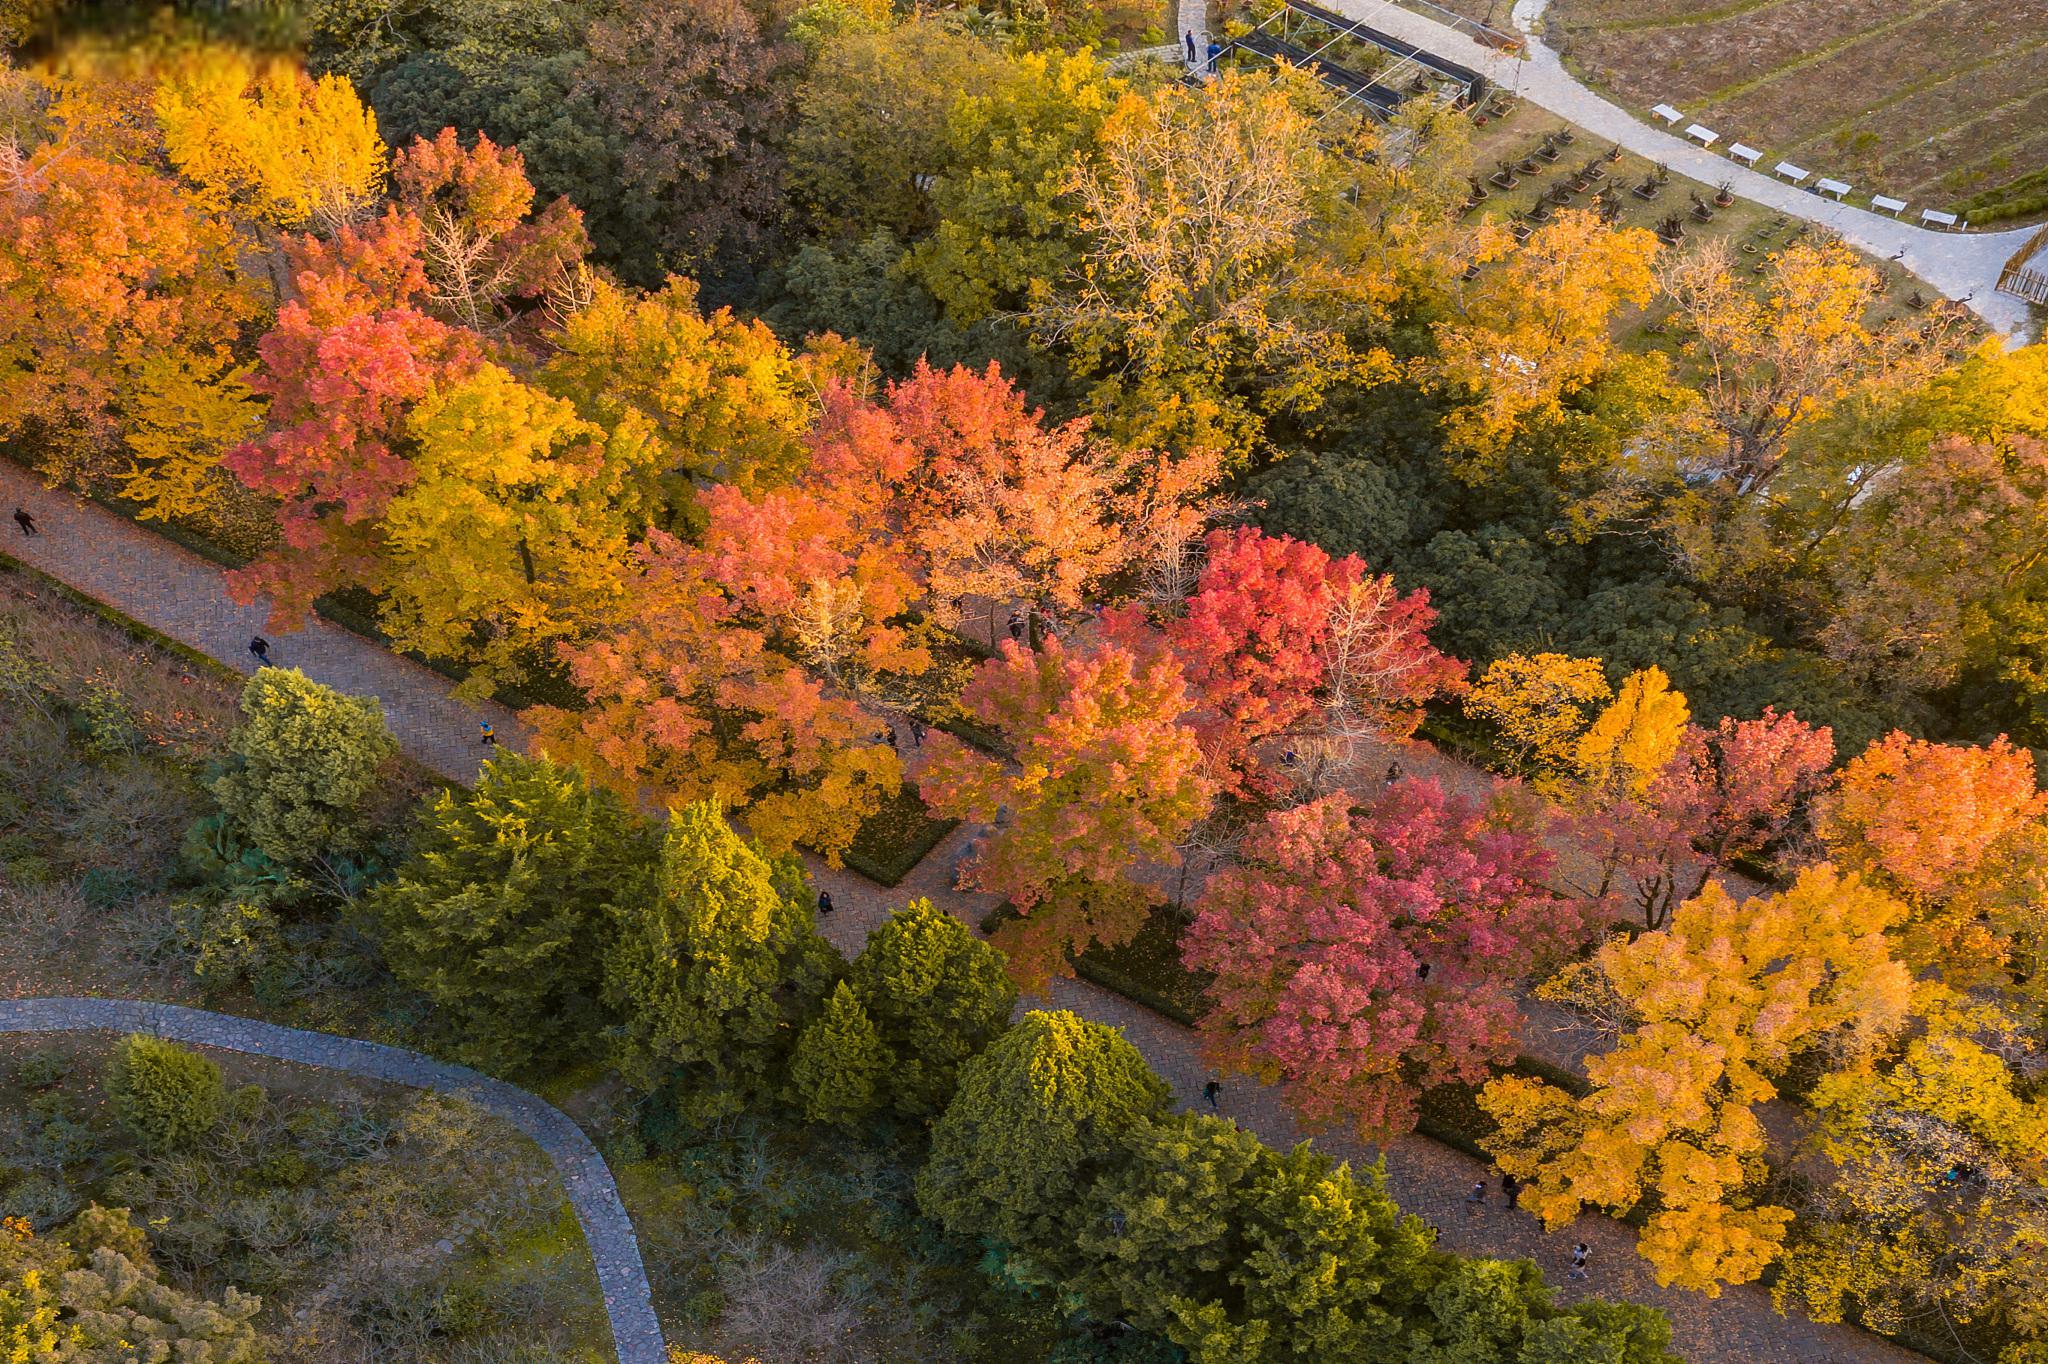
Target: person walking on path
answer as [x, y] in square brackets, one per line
[916, 732]
[487, 734]
[1510, 1189]
[1579, 1254]
[1017, 626]
[824, 903]
[25, 521]
[259, 649]
[1212, 1092]
[1475, 1202]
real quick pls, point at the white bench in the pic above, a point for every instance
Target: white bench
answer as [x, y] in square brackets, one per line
[1837, 188]
[1748, 156]
[1796, 174]
[1667, 113]
[1889, 205]
[1704, 136]
[1935, 217]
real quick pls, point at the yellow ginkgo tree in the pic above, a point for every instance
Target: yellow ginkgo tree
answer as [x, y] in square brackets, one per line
[1714, 1009]
[272, 142]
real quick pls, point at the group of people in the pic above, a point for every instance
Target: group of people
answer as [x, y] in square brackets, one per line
[1511, 1190]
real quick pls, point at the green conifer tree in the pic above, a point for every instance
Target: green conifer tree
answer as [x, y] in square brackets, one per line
[1038, 1117]
[718, 972]
[302, 766]
[501, 914]
[937, 995]
[840, 1064]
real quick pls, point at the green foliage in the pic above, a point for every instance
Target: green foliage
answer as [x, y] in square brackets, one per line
[106, 721]
[850, 172]
[503, 912]
[1038, 1117]
[1234, 1251]
[937, 995]
[840, 1064]
[167, 1097]
[302, 766]
[717, 973]
[234, 941]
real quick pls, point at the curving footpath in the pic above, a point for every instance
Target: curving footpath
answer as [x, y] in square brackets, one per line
[636, 1334]
[1962, 265]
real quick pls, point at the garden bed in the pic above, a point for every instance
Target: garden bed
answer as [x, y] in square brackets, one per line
[896, 838]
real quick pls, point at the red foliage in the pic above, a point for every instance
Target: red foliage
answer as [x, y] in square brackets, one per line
[1278, 638]
[1319, 941]
[343, 368]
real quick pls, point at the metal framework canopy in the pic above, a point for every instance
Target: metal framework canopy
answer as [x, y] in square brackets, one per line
[1306, 35]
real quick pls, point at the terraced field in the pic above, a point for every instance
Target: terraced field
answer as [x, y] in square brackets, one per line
[1942, 102]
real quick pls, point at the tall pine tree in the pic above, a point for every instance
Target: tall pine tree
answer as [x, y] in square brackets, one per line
[718, 972]
[500, 915]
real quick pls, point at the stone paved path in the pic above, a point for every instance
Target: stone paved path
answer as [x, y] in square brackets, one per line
[160, 585]
[636, 1334]
[170, 589]
[1959, 264]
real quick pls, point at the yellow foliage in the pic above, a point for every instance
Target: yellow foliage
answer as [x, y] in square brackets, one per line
[1635, 738]
[273, 141]
[184, 411]
[1537, 704]
[1719, 1003]
[1536, 327]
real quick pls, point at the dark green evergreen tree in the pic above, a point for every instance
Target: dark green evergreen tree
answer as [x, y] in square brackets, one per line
[500, 915]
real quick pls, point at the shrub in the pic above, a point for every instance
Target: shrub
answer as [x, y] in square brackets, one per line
[105, 720]
[303, 764]
[233, 941]
[166, 1096]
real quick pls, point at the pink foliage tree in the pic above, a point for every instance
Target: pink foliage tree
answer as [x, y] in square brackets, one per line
[1729, 792]
[1362, 954]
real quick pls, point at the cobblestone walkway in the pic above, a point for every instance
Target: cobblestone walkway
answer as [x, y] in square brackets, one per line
[636, 1334]
[170, 589]
[162, 586]
[1962, 265]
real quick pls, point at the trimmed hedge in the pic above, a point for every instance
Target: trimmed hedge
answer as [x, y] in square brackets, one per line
[890, 844]
[128, 625]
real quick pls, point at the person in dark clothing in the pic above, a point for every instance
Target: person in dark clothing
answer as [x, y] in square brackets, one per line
[916, 732]
[1510, 1189]
[1017, 626]
[259, 649]
[1212, 1092]
[1191, 47]
[487, 734]
[1393, 773]
[888, 736]
[25, 521]
[824, 902]
[1579, 1254]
